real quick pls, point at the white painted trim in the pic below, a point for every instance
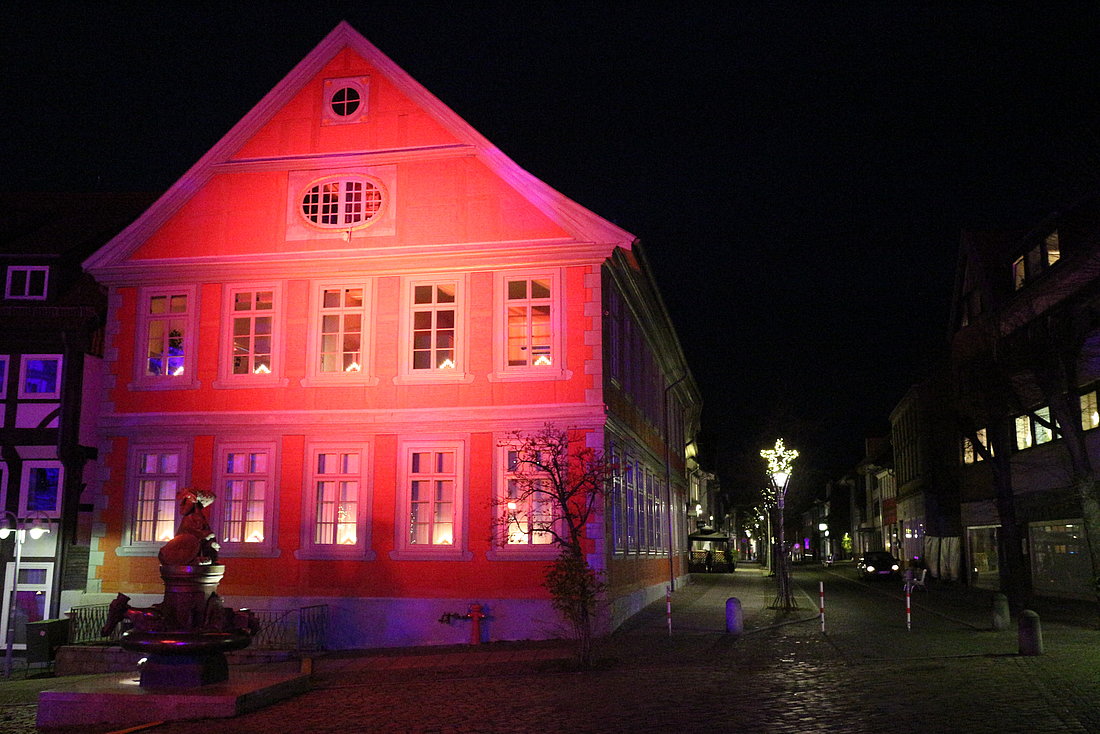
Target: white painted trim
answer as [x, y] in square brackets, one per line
[459, 549]
[269, 546]
[362, 550]
[189, 380]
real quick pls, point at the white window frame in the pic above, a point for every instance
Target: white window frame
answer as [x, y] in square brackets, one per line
[10, 582]
[404, 550]
[329, 115]
[314, 337]
[167, 381]
[227, 378]
[27, 270]
[24, 486]
[3, 484]
[500, 550]
[129, 546]
[56, 393]
[361, 549]
[556, 369]
[223, 507]
[406, 373]
[383, 223]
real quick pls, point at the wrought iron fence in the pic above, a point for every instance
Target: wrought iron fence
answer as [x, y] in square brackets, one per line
[301, 629]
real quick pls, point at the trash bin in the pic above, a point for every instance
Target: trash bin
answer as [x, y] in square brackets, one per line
[44, 637]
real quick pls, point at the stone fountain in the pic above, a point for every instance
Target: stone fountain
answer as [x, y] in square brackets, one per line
[184, 638]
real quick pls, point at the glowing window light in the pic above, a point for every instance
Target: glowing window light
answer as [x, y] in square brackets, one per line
[447, 364]
[353, 367]
[543, 361]
[178, 371]
[262, 369]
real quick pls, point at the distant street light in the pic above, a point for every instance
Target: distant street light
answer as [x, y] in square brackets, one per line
[779, 461]
[39, 526]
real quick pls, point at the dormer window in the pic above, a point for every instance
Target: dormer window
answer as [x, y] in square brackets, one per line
[345, 100]
[27, 283]
[1036, 260]
[342, 203]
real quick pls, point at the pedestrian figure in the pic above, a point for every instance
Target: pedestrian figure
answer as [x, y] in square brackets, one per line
[708, 560]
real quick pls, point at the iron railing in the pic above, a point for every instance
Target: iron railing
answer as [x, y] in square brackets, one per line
[301, 629]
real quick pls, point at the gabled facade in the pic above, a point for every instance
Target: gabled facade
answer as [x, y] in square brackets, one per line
[51, 341]
[1023, 351]
[335, 320]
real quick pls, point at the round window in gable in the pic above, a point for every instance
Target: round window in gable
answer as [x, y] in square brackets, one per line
[346, 202]
[345, 101]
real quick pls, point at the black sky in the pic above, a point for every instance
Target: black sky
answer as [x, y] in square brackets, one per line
[798, 173]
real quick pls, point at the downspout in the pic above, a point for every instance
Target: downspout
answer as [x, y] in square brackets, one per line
[668, 487]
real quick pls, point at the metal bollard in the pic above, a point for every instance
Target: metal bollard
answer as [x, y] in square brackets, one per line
[1001, 617]
[1030, 634]
[735, 623]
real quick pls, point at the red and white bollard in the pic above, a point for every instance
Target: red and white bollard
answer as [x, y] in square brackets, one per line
[475, 615]
[908, 608]
[821, 603]
[668, 609]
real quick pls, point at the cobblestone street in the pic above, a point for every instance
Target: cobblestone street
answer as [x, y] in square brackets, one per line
[950, 673]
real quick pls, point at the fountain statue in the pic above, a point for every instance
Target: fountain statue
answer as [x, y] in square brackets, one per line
[185, 636]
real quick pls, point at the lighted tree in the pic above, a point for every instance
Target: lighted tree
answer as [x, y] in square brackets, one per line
[780, 461]
[554, 488]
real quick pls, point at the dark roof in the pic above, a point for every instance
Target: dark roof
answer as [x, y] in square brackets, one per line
[65, 224]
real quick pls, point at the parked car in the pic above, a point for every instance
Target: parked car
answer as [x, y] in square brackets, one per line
[877, 564]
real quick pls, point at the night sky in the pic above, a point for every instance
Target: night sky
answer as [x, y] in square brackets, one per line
[798, 173]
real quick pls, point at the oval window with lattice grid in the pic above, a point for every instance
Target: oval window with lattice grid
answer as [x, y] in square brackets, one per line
[342, 203]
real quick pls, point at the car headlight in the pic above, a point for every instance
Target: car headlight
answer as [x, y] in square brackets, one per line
[894, 567]
[870, 568]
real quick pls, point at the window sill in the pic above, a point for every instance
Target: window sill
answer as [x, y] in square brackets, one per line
[527, 553]
[352, 553]
[248, 382]
[341, 380]
[166, 384]
[530, 375]
[432, 554]
[241, 552]
[138, 550]
[434, 378]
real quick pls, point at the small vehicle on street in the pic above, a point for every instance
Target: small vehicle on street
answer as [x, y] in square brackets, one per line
[877, 564]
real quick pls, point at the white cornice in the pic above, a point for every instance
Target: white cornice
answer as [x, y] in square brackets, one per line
[473, 419]
[380, 260]
[348, 159]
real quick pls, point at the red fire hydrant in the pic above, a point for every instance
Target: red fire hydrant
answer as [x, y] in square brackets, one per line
[475, 616]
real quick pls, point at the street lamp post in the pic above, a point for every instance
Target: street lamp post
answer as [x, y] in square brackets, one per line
[13, 526]
[779, 461]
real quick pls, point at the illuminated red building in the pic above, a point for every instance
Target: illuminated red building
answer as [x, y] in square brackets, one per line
[353, 296]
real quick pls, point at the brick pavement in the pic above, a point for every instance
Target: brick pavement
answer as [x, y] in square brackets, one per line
[780, 677]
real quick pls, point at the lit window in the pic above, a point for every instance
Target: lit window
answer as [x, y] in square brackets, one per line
[167, 330]
[158, 477]
[1019, 275]
[27, 283]
[1090, 418]
[529, 323]
[244, 507]
[1053, 248]
[1023, 432]
[342, 321]
[253, 322]
[336, 507]
[528, 508]
[3, 375]
[1043, 433]
[41, 488]
[970, 454]
[40, 376]
[432, 499]
[342, 203]
[433, 327]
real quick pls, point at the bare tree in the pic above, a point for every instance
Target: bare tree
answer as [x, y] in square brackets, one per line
[554, 488]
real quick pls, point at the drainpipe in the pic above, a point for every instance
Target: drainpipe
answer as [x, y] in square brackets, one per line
[668, 488]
